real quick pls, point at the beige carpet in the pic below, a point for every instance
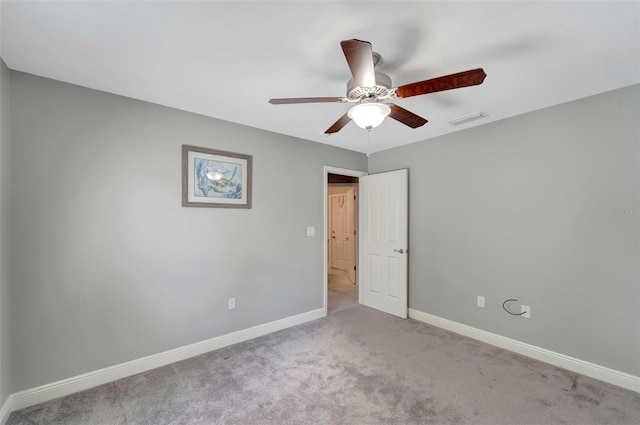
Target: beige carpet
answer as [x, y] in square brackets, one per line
[355, 367]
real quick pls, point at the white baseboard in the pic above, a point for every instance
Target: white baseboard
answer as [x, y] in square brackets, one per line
[68, 386]
[611, 376]
[6, 409]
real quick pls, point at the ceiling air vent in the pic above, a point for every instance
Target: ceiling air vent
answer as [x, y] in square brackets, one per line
[467, 118]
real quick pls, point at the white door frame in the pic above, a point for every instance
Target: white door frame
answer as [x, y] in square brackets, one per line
[344, 172]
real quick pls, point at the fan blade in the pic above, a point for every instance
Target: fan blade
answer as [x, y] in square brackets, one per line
[406, 117]
[337, 126]
[287, 100]
[448, 82]
[360, 59]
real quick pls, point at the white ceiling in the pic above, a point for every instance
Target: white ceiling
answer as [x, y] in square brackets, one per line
[227, 59]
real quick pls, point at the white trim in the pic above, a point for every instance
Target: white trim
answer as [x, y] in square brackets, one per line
[611, 376]
[325, 185]
[85, 381]
[6, 409]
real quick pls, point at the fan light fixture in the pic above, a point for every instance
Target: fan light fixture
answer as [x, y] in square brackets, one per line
[369, 115]
[368, 89]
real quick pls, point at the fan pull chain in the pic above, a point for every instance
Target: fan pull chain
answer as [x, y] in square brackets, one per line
[369, 142]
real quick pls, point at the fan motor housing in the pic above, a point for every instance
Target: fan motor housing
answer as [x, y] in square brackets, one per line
[381, 89]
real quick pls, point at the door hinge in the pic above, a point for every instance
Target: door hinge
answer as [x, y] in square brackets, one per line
[354, 232]
[354, 268]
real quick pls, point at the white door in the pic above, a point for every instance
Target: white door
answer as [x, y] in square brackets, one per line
[339, 231]
[384, 241]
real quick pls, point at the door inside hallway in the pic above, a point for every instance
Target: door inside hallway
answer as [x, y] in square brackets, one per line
[342, 231]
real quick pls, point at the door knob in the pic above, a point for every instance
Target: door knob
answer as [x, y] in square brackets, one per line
[401, 251]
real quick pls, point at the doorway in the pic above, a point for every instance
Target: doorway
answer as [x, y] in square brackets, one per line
[341, 290]
[381, 242]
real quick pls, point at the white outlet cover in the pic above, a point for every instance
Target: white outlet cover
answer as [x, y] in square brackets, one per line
[527, 311]
[480, 301]
[311, 231]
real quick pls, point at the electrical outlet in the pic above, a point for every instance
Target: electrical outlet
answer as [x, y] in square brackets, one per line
[232, 303]
[527, 312]
[480, 301]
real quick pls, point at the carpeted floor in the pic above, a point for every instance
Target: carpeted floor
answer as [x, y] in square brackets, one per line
[357, 366]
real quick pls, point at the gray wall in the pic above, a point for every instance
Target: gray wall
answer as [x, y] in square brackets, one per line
[107, 266]
[5, 383]
[542, 207]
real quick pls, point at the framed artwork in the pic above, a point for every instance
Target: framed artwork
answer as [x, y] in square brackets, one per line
[213, 178]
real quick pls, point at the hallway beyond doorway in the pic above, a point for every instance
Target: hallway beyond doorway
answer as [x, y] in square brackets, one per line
[343, 294]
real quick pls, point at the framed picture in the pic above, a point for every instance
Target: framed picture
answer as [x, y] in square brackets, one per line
[212, 178]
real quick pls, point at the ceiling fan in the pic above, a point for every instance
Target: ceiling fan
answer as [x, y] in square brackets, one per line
[370, 90]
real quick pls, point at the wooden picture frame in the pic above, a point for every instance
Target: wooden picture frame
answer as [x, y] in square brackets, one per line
[215, 179]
